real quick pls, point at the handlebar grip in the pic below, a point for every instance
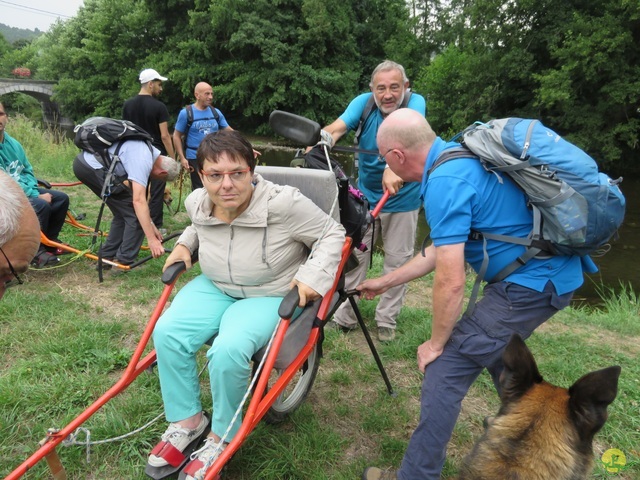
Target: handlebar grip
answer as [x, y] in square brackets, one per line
[383, 200]
[44, 183]
[289, 303]
[173, 272]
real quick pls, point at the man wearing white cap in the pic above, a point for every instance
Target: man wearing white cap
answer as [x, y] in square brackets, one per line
[146, 111]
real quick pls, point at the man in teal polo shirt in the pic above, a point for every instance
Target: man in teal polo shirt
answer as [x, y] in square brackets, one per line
[398, 220]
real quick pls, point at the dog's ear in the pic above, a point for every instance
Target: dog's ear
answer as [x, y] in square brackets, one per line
[589, 398]
[520, 370]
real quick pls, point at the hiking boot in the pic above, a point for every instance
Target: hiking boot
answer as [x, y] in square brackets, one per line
[386, 334]
[333, 325]
[175, 437]
[203, 458]
[44, 259]
[374, 473]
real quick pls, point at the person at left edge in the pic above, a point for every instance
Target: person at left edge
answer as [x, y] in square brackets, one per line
[50, 205]
[149, 113]
[19, 233]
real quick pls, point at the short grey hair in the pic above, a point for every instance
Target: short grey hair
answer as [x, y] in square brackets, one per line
[13, 201]
[385, 67]
[171, 166]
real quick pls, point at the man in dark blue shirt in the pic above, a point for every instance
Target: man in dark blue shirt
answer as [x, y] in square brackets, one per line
[460, 197]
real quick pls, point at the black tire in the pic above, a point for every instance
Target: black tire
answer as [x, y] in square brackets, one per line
[296, 392]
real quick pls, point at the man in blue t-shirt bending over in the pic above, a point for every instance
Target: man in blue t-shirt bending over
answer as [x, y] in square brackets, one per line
[460, 196]
[398, 220]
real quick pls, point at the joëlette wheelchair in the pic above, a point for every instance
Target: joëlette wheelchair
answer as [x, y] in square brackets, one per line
[289, 365]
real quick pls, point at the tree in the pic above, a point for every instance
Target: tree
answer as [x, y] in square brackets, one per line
[575, 65]
[97, 55]
[306, 56]
[5, 47]
[18, 57]
[592, 88]
[297, 55]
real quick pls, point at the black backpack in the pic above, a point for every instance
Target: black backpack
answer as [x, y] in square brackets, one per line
[96, 134]
[354, 206]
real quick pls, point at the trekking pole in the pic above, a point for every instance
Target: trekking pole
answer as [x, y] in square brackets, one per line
[351, 293]
[367, 336]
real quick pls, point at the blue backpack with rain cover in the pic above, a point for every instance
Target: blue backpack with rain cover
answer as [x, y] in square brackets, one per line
[576, 208]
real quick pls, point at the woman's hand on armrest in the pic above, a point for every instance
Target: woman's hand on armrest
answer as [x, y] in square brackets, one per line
[180, 253]
[306, 293]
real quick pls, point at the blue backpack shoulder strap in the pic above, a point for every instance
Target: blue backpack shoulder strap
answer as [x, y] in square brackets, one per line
[214, 112]
[452, 154]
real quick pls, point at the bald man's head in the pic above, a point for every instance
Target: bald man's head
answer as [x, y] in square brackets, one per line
[204, 95]
[406, 129]
[404, 138]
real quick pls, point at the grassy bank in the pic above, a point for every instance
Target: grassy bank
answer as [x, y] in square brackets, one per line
[65, 338]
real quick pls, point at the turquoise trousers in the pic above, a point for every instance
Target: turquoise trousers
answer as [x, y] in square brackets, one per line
[198, 312]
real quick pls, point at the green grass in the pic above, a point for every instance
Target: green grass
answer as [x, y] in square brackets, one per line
[65, 339]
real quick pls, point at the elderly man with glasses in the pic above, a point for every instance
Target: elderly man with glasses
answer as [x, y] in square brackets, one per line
[398, 220]
[19, 233]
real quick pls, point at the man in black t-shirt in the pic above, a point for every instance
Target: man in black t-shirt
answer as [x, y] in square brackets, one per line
[146, 111]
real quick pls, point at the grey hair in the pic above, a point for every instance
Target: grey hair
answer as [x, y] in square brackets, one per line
[12, 202]
[385, 67]
[171, 166]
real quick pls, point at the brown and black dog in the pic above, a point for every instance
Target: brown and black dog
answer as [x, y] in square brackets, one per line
[541, 432]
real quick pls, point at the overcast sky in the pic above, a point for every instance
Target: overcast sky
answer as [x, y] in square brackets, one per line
[34, 14]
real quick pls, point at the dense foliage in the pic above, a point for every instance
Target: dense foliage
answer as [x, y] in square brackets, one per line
[573, 64]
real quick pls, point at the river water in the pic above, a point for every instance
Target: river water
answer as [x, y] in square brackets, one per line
[619, 267]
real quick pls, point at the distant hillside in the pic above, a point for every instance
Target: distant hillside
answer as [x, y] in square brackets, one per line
[12, 34]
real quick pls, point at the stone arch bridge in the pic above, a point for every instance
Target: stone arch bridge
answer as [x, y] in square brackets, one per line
[41, 90]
